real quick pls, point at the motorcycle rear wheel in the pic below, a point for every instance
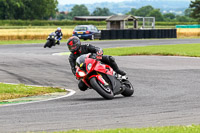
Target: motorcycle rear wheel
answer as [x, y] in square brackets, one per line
[129, 89]
[106, 93]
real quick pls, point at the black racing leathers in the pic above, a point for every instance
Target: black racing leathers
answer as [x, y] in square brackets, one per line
[88, 48]
[84, 49]
[59, 35]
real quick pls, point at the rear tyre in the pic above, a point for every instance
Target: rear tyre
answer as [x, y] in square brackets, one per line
[129, 89]
[105, 92]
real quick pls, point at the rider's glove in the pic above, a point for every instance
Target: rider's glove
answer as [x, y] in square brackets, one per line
[99, 54]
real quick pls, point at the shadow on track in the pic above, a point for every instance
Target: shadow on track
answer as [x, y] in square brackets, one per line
[96, 99]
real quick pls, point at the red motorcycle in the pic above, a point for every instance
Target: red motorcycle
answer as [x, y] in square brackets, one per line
[101, 77]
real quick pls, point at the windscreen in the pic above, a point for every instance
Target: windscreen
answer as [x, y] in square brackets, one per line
[80, 61]
[81, 28]
[53, 34]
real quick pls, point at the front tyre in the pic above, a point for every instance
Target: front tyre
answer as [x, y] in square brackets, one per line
[129, 90]
[47, 44]
[105, 92]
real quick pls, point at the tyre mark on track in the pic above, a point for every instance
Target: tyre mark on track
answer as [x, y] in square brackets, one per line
[20, 78]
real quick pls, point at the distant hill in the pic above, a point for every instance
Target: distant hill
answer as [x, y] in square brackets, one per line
[175, 6]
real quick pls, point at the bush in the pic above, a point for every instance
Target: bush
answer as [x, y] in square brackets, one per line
[70, 22]
[47, 22]
[174, 23]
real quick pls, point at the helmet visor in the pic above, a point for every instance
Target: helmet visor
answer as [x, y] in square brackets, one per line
[72, 48]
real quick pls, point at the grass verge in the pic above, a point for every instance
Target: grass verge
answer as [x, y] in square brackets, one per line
[6, 42]
[191, 50]
[169, 129]
[25, 42]
[12, 91]
[21, 42]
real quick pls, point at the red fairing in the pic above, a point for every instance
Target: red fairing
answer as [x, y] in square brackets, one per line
[103, 68]
[92, 61]
[97, 66]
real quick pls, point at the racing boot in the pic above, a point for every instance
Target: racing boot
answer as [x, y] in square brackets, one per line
[57, 42]
[121, 72]
[115, 67]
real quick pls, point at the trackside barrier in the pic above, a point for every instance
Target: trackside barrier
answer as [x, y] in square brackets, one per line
[187, 26]
[138, 34]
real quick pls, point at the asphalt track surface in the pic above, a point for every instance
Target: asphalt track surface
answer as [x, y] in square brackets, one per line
[166, 90]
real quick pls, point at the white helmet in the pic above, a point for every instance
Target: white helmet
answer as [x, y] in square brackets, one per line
[59, 29]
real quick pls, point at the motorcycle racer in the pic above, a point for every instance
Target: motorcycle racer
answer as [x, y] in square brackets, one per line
[77, 49]
[58, 35]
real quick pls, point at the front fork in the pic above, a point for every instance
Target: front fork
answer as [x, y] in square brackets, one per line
[100, 78]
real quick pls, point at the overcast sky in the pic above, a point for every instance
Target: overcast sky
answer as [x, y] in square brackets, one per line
[63, 2]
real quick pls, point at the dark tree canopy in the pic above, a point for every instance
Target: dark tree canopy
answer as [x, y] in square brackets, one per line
[101, 12]
[28, 9]
[157, 14]
[195, 5]
[132, 12]
[188, 12]
[169, 16]
[144, 11]
[80, 10]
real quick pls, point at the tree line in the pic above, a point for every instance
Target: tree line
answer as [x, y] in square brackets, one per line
[82, 10]
[46, 9]
[28, 9]
[149, 11]
[191, 14]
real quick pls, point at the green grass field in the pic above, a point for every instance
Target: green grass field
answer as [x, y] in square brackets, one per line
[11, 91]
[191, 50]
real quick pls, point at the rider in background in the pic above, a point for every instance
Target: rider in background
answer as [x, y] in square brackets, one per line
[58, 35]
[77, 50]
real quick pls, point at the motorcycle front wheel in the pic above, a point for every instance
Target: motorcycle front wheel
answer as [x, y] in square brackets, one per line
[105, 92]
[47, 44]
[129, 90]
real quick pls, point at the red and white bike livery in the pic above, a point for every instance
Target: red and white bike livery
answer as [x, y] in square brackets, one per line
[101, 77]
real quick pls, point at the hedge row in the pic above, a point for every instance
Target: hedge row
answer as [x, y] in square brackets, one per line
[175, 23]
[46, 23]
[68, 22]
